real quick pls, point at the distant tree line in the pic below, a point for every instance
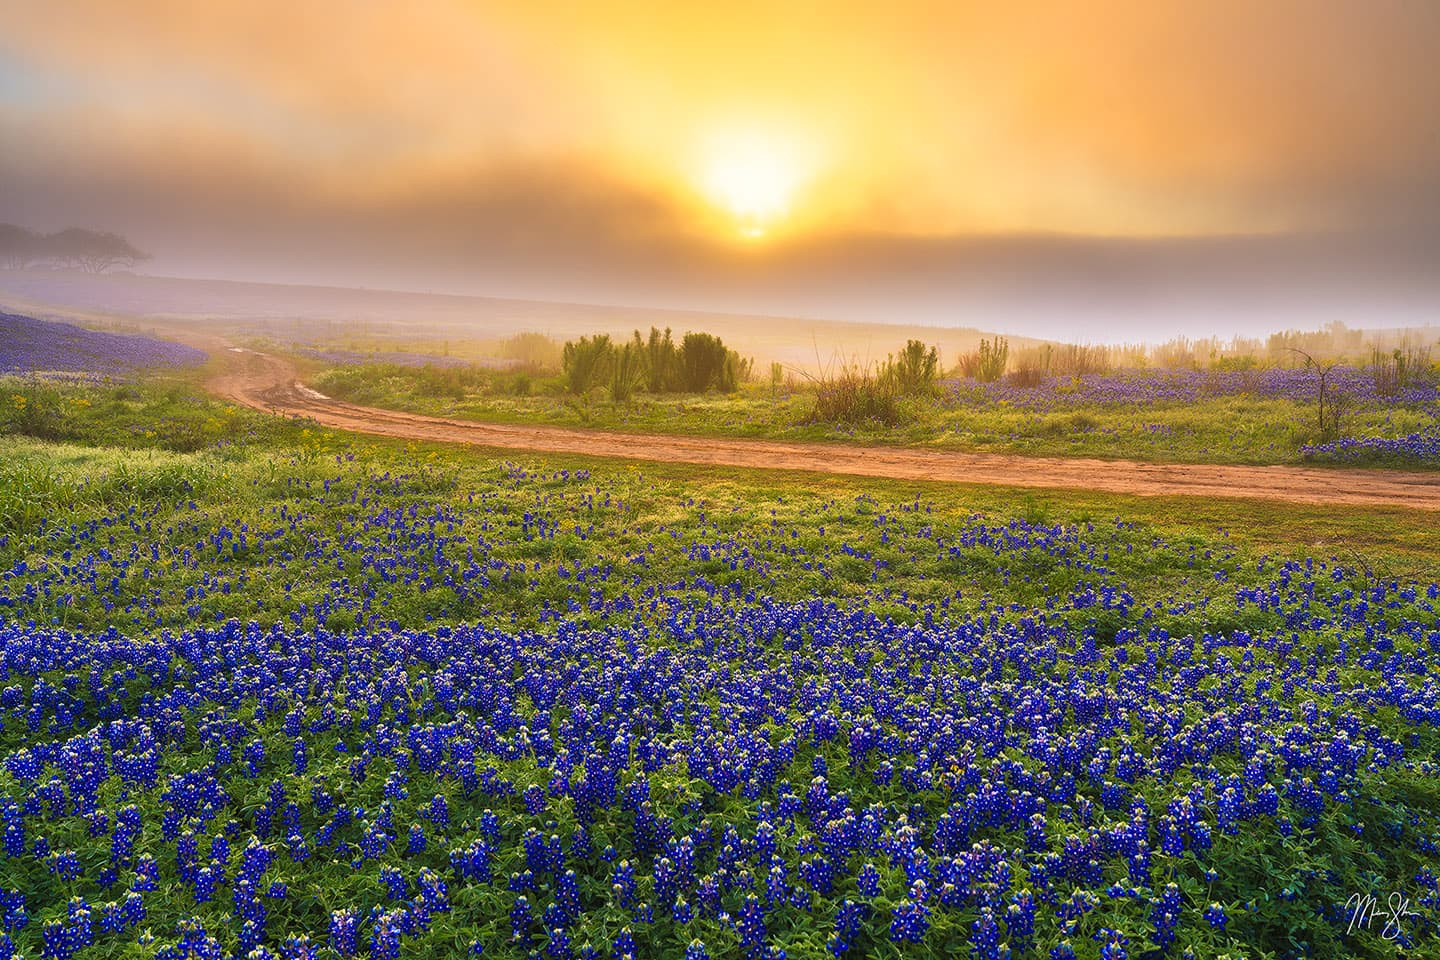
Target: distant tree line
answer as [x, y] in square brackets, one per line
[74, 248]
[700, 362]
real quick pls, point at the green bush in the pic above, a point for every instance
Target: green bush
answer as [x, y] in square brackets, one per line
[700, 363]
[662, 362]
[913, 372]
[706, 364]
[587, 362]
[628, 371]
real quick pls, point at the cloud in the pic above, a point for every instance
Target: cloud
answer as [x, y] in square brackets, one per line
[548, 149]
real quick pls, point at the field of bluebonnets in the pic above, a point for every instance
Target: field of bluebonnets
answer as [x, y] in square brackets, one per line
[28, 345]
[267, 691]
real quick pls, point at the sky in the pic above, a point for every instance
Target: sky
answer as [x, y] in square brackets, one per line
[1107, 169]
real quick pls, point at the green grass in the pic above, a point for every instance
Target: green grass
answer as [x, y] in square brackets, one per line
[166, 413]
[115, 503]
[216, 465]
[1220, 429]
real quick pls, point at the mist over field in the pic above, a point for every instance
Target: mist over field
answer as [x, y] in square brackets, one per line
[439, 323]
[1197, 169]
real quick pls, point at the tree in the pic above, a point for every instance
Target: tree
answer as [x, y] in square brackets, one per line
[92, 251]
[19, 247]
[75, 247]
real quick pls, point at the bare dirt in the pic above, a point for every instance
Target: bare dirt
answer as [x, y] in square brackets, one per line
[268, 382]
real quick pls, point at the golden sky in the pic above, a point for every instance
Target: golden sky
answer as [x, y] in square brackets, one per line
[571, 129]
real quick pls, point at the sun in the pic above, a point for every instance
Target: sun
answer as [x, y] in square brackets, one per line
[753, 176]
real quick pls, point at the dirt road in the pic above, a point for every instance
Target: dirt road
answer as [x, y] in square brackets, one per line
[270, 383]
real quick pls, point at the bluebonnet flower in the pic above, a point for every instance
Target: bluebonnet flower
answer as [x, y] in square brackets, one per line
[521, 919]
[868, 880]
[385, 937]
[344, 931]
[12, 910]
[985, 936]
[623, 947]
[298, 948]
[751, 925]
[1166, 916]
[848, 921]
[66, 865]
[909, 922]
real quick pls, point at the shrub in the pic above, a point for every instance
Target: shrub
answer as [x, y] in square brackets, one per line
[452, 382]
[913, 372]
[699, 363]
[1330, 404]
[587, 362]
[533, 350]
[706, 364]
[1177, 353]
[662, 362]
[856, 396]
[1027, 376]
[35, 412]
[1032, 366]
[987, 364]
[628, 371]
[1078, 359]
[1398, 369]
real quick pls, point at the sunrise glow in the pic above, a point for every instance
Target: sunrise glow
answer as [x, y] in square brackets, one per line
[914, 159]
[752, 177]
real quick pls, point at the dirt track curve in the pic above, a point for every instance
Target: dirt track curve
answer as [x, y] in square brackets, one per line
[270, 383]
